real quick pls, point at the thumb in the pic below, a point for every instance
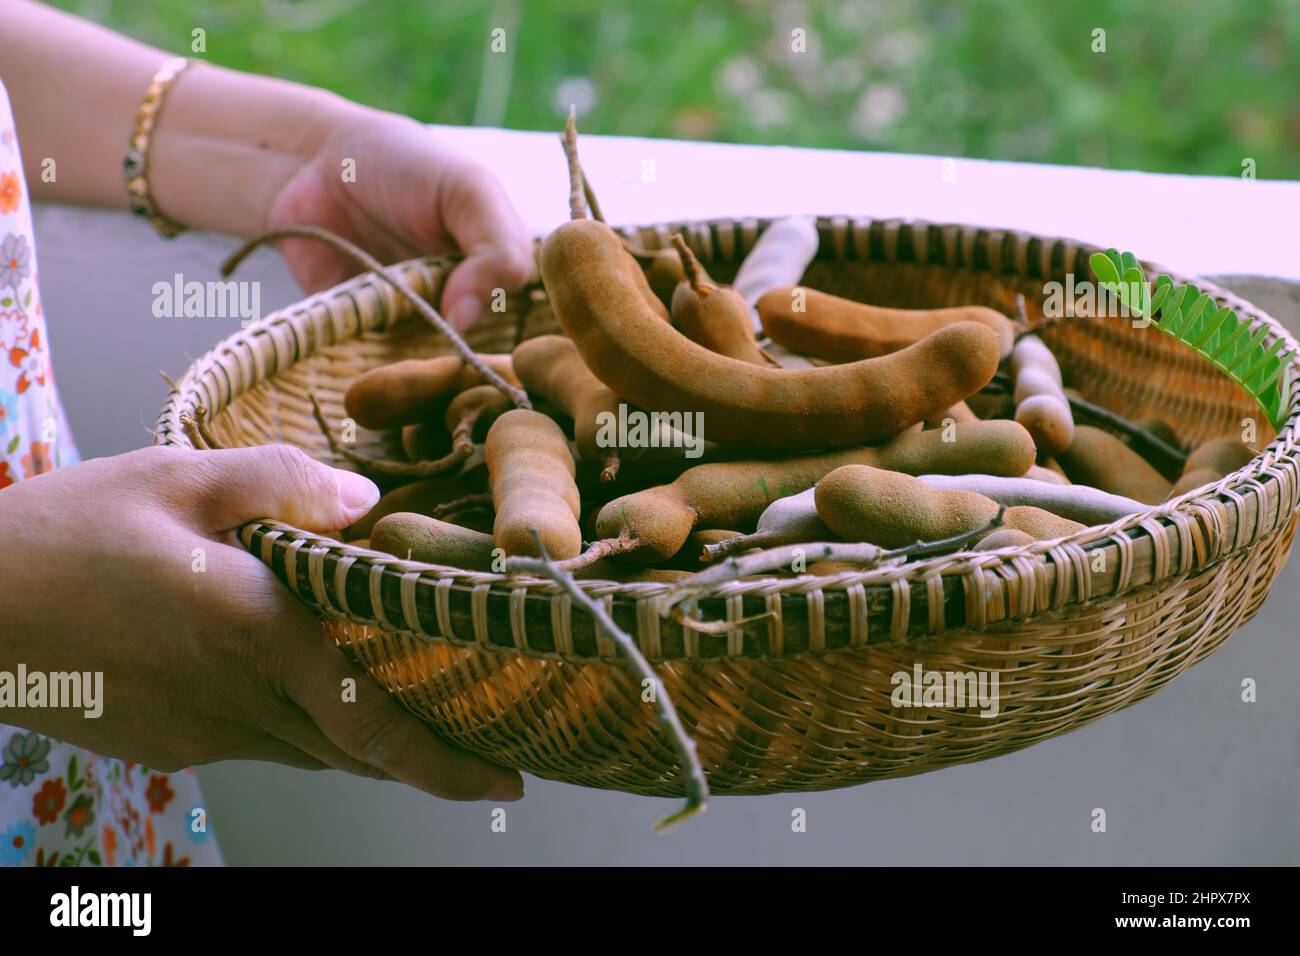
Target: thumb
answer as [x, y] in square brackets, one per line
[238, 485]
[473, 285]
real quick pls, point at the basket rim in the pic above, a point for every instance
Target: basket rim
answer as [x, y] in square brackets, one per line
[1268, 485]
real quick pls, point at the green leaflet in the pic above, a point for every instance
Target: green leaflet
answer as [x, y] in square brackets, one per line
[1187, 314]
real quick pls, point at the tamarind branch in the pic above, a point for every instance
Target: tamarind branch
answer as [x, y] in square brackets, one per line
[697, 786]
[369, 262]
[389, 467]
[577, 194]
[690, 265]
[868, 555]
[482, 499]
[603, 548]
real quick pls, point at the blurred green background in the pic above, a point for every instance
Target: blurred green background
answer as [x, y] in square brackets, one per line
[1186, 86]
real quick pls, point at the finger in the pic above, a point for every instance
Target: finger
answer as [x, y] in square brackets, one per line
[237, 485]
[271, 749]
[373, 729]
[300, 731]
[498, 249]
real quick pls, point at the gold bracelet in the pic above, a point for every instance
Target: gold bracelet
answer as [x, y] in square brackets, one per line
[136, 162]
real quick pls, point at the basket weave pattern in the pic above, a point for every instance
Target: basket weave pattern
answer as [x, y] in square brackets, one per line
[1074, 629]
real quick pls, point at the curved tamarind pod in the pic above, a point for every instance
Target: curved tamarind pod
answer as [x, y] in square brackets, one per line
[550, 366]
[531, 474]
[1075, 502]
[893, 510]
[418, 496]
[779, 258]
[841, 330]
[1004, 538]
[712, 315]
[1041, 403]
[417, 537]
[415, 390]
[733, 494]
[1098, 458]
[655, 367]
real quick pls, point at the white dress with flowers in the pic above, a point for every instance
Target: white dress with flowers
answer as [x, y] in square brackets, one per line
[61, 805]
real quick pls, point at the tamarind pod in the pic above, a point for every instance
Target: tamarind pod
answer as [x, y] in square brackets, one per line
[789, 520]
[893, 510]
[1003, 538]
[1190, 480]
[1224, 455]
[531, 474]
[1159, 428]
[417, 537]
[714, 316]
[1075, 502]
[1210, 461]
[829, 327]
[734, 494]
[415, 390]
[988, 405]
[550, 366]
[1045, 472]
[779, 258]
[1038, 523]
[418, 496]
[663, 271]
[1041, 403]
[425, 441]
[655, 367]
[1098, 458]
[472, 412]
[960, 412]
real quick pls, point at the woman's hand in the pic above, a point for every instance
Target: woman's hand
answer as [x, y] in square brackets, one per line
[389, 185]
[205, 655]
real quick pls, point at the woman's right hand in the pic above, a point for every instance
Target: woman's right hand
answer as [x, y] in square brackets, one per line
[98, 573]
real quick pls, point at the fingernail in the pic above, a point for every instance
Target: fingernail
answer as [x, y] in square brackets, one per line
[464, 313]
[507, 792]
[357, 493]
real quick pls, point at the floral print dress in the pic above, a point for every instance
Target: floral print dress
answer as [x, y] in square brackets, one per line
[61, 805]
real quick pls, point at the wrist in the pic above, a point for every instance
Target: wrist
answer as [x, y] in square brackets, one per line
[228, 142]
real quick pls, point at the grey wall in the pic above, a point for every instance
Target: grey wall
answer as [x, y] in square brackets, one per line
[1190, 776]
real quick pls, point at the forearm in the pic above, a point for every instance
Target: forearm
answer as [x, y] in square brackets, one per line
[225, 144]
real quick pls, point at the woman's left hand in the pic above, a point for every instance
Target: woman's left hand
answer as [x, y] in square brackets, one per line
[388, 184]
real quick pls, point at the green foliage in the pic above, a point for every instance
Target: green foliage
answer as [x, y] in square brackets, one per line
[1191, 316]
[1188, 86]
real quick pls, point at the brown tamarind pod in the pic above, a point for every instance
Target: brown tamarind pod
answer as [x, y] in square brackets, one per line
[417, 537]
[531, 474]
[416, 390]
[712, 315]
[656, 368]
[841, 330]
[1211, 461]
[733, 494]
[1041, 403]
[1096, 457]
[1004, 538]
[418, 496]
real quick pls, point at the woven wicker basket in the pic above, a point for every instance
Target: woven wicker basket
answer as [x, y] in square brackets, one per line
[800, 701]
